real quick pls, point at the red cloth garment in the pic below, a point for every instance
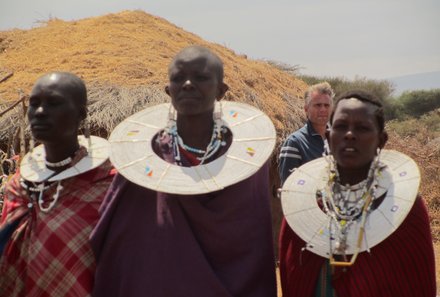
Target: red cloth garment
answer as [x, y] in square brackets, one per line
[400, 266]
[218, 244]
[49, 253]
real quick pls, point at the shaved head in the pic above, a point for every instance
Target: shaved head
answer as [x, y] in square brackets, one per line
[199, 52]
[69, 83]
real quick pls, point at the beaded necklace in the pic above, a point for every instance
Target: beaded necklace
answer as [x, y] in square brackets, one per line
[214, 144]
[61, 163]
[40, 188]
[345, 205]
[45, 185]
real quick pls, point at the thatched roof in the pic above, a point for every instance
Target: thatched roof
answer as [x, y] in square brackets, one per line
[123, 59]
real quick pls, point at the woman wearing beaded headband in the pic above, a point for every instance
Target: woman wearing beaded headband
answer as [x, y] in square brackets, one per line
[52, 202]
[159, 243]
[367, 231]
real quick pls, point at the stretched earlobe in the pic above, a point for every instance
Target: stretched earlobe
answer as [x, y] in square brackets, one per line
[223, 89]
[383, 140]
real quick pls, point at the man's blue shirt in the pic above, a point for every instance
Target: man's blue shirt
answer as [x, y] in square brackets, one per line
[300, 147]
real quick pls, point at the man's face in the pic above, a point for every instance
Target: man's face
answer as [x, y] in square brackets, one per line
[319, 108]
[194, 85]
[52, 113]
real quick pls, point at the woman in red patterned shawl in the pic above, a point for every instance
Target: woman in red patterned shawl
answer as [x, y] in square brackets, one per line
[51, 203]
[359, 227]
[165, 243]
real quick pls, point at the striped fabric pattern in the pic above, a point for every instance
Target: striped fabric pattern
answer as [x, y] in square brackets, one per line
[290, 152]
[300, 147]
[49, 253]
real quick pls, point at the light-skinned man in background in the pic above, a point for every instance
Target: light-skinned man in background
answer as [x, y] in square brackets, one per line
[302, 146]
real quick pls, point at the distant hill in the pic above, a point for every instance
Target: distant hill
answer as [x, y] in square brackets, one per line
[419, 81]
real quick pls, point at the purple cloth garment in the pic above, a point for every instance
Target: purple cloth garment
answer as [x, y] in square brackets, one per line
[155, 244]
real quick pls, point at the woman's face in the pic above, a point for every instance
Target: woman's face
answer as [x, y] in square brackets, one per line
[52, 113]
[194, 85]
[355, 135]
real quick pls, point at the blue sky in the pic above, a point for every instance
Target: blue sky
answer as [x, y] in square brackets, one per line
[375, 38]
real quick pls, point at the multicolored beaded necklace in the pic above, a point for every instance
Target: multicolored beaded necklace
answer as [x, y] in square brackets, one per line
[217, 140]
[345, 205]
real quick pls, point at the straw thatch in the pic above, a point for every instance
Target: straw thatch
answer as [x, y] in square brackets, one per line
[123, 58]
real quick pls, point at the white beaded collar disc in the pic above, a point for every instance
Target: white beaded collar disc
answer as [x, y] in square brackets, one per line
[399, 181]
[132, 154]
[33, 166]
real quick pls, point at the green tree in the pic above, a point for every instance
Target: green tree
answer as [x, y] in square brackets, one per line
[418, 103]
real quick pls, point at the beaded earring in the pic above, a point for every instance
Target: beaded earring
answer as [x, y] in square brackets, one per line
[31, 144]
[172, 118]
[86, 126]
[217, 117]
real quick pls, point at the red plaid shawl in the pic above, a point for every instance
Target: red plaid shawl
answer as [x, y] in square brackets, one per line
[49, 254]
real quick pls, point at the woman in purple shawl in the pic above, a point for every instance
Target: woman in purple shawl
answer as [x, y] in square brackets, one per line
[218, 244]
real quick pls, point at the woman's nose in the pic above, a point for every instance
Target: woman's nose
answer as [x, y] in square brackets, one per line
[349, 134]
[187, 84]
[40, 111]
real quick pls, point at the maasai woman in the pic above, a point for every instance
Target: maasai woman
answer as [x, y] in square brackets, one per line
[189, 213]
[360, 229]
[52, 202]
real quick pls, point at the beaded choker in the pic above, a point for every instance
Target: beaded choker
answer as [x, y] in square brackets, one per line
[61, 163]
[214, 144]
[92, 152]
[36, 177]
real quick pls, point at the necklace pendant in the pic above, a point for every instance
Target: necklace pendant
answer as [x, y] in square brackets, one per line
[341, 246]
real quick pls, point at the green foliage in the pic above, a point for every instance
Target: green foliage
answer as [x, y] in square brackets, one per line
[409, 104]
[418, 103]
[381, 88]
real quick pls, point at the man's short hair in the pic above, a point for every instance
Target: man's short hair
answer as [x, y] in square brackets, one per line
[321, 88]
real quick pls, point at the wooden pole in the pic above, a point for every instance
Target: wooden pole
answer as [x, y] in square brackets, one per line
[22, 98]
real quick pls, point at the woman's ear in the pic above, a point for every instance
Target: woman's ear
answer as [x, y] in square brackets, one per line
[383, 139]
[82, 113]
[167, 90]
[223, 88]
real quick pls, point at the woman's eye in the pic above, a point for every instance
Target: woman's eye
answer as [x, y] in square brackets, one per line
[33, 103]
[54, 102]
[338, 126]
[176, 78]
[364, 128]
[202, 77]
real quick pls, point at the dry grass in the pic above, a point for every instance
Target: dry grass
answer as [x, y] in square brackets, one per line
[123, 58]
[424, 148]
[130, 50]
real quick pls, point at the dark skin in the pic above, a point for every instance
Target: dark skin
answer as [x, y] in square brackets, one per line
[194, 85]
[354, 138]
[55, 113]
